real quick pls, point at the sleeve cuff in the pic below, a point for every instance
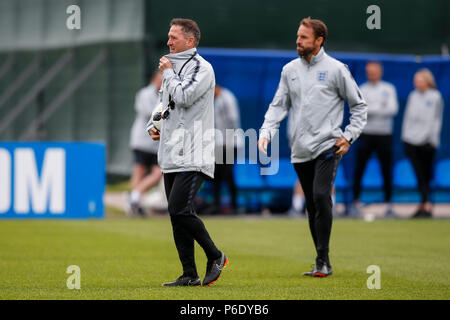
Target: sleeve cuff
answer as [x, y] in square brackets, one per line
[264, 134]
[348, 137]
[150, 126]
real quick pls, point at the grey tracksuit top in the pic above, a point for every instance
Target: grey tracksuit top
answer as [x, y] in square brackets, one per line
[187, 135]
[316, 93]
[226, 115]
[146, 100]
[422, 120]
[381, 99]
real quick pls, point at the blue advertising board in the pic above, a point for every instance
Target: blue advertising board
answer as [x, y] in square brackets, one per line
[52, 180]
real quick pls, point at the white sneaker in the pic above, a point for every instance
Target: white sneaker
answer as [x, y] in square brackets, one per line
[355, 210]
[128, 208]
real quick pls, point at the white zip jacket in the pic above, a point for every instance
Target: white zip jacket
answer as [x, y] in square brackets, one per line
[422, 121]
[187, 135]
[316, 92]
[381, 99]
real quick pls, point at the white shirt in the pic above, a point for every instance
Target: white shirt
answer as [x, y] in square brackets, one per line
[226, 115]
[146, 100]
[422, 121]
[382, 104]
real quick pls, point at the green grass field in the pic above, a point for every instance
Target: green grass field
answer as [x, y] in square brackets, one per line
[129, 259]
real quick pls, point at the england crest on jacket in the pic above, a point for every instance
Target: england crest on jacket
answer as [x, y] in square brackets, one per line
[322, 76]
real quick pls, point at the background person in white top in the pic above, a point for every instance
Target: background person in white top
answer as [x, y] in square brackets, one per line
[381, 98]
[298, 207]
[226, 116]
[146, 172]
[421, 132]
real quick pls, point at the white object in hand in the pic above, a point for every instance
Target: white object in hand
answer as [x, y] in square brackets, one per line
[156, 116]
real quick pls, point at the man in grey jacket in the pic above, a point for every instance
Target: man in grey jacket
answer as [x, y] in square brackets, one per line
[381, 98]
[315, 86]
[186, 149]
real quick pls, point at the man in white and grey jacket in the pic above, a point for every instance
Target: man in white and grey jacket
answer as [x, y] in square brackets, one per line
[186, 149]
[381, 98]
[315, 86]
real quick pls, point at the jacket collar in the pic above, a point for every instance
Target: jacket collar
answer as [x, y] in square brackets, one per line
[178, 59]
[314, 59]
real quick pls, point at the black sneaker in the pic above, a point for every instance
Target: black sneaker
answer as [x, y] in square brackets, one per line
[137, 210]
[184, 281]
[214, 269]
[422, 214]
[322, 269]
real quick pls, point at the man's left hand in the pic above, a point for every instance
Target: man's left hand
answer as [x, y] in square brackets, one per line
[164, 64]
[343, 145]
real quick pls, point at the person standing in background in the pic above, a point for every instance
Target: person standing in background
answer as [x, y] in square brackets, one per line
[381, 98]
[421, 131]
[298, 207]
[146, 172]
[226, 116]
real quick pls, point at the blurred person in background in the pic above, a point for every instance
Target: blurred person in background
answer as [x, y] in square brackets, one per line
[316, 87]
[298, 197]
[226, 116]
[381, 98]
[146, 172]
[298, 201]
[421, 131]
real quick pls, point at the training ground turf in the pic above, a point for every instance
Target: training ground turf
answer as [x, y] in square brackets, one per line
[129, 259]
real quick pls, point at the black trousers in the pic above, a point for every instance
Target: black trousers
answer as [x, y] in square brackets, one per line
[181, 189]
[421, 158]
[317, 179]
[223, 172]
[382, 145]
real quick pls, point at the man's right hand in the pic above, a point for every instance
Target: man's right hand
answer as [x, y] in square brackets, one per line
[154, 134]
[262, 145]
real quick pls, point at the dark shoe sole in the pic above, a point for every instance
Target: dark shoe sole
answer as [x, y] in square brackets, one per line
[197, 285]
[212, 282]
[166, 286]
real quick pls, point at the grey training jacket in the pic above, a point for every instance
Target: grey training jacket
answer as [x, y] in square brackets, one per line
[422, 121]
[226, 115]
[187, 135]
[381, 98]
[316, 93]
[145, 102]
